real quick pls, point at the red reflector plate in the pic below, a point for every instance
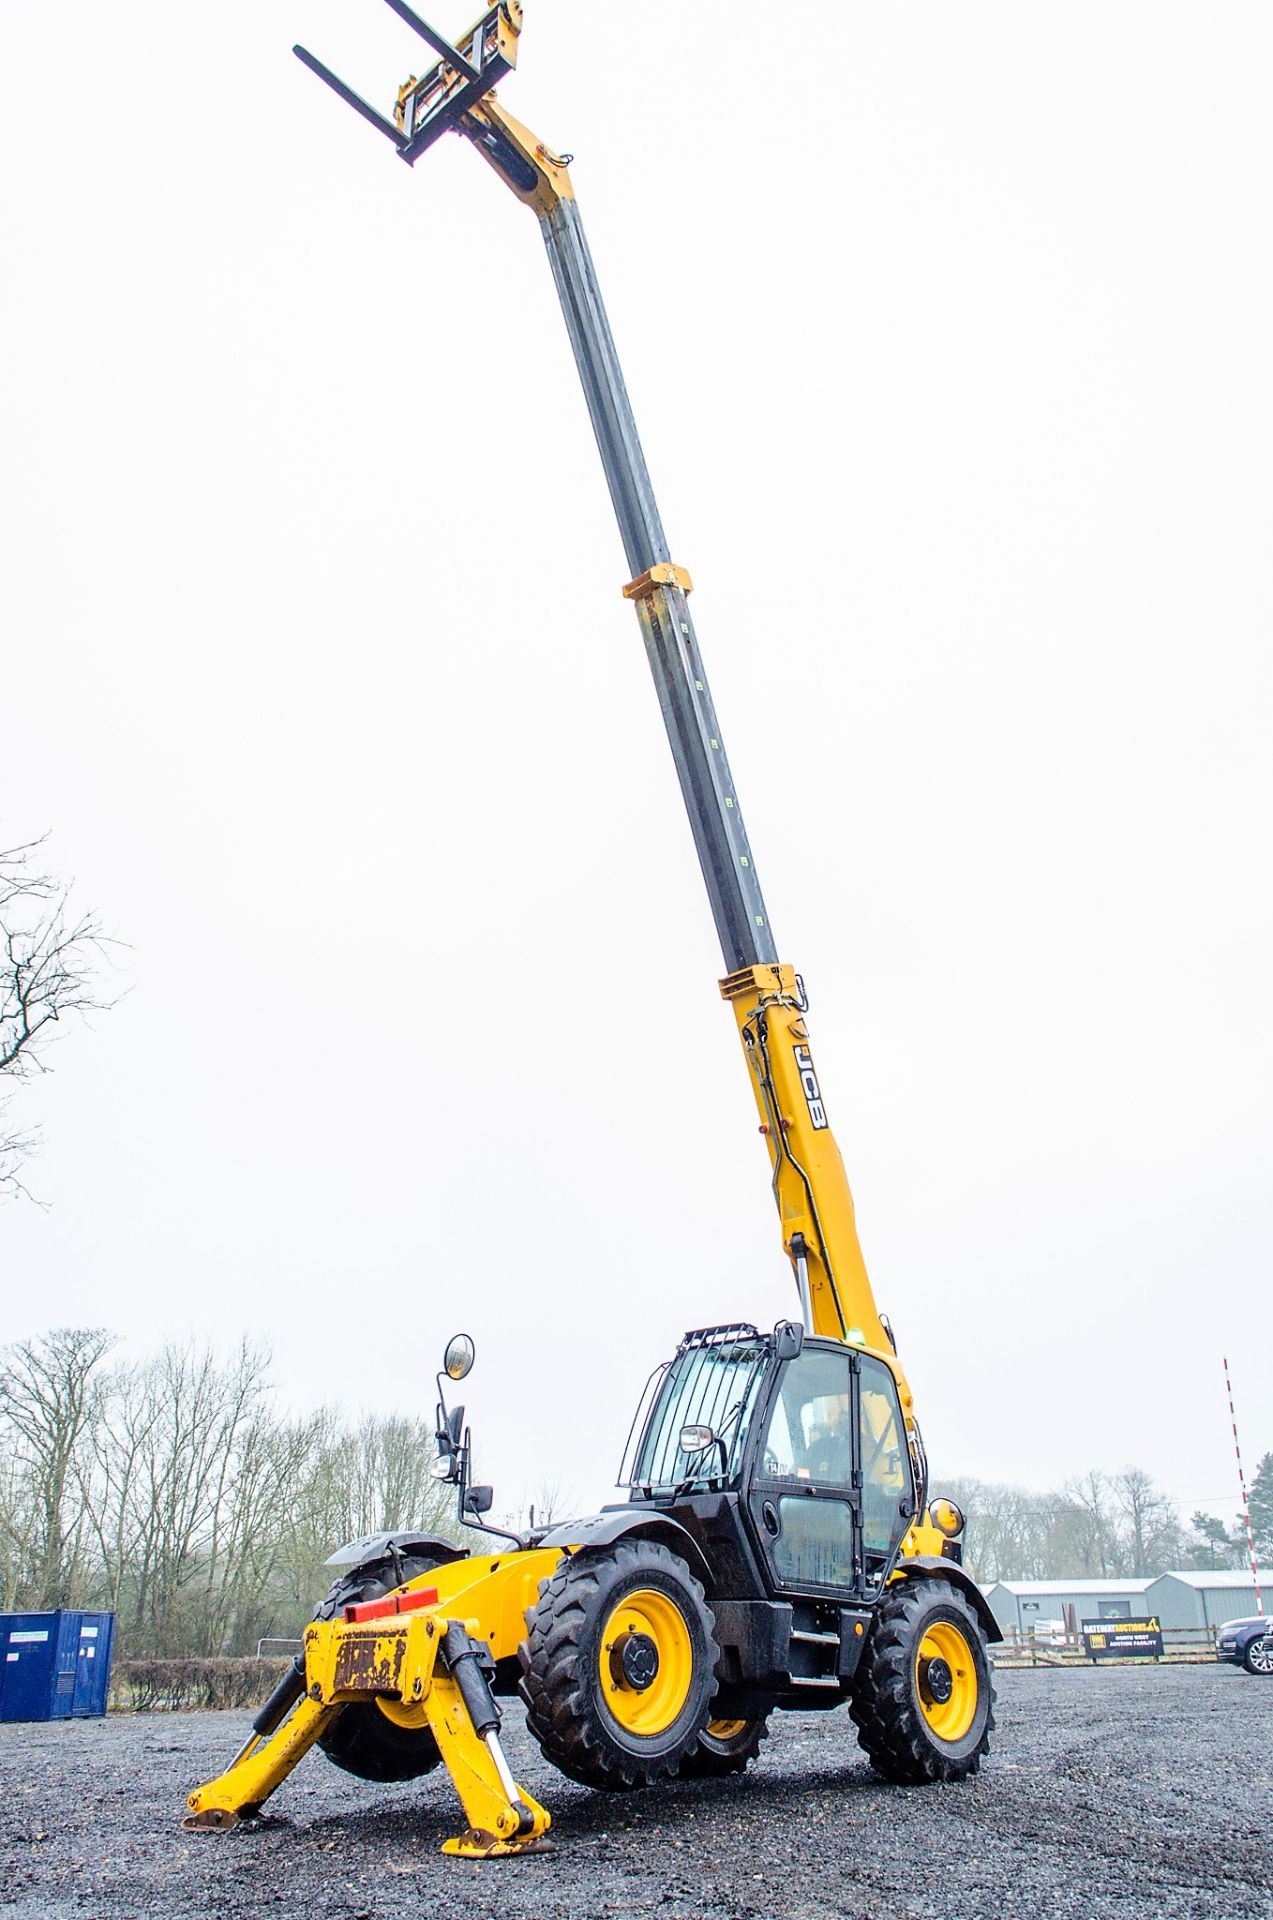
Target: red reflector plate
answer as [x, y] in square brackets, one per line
[392, 1603]
[422, 1597]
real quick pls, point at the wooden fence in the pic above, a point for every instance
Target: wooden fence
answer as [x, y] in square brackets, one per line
[1182, 1646]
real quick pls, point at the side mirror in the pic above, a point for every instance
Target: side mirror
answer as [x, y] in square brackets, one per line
[788, 1339]
[479, 1499]
[458, 1359]
[694, 1440]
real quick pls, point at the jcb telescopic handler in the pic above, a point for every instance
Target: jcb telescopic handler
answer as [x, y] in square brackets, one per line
[778, 1546]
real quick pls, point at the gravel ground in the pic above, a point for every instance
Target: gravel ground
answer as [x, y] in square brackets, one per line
[1144, 1793]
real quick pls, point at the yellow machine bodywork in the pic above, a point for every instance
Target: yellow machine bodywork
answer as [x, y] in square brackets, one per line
[393, 1660]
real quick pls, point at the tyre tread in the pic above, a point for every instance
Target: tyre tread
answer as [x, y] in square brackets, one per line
[361, 1740]
[891, 1727]
[561, 1707]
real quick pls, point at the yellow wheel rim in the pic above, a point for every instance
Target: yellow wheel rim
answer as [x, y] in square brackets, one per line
[946, 1680]
[726, 1729]
[646, 1617]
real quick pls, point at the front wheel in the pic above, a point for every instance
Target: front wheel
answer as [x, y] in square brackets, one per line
[618, 1665]
[923, 1702]
[1258, 1657]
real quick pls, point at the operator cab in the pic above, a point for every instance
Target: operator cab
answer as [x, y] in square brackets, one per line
[803, 1437]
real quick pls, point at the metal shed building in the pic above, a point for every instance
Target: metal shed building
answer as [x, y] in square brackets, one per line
[1205, 1599]
[1019, 1605]
[54, 1666]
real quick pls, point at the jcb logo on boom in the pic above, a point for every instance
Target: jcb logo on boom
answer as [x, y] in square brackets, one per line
[809, 1081]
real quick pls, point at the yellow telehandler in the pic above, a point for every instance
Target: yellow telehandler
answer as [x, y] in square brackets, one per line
[778, 1546]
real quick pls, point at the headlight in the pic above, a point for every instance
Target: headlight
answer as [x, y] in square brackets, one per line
[946, 1516]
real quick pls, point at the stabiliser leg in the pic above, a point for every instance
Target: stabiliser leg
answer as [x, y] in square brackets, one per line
[257, 1769]
[461, 1710]
[444, 1686]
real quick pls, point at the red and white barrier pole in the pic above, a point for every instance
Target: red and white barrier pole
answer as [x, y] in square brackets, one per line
[1246, 1504]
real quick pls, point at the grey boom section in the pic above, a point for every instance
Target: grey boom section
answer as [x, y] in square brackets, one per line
[720, 837]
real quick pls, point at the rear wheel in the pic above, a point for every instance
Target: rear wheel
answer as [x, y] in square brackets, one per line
[724, 1746]
[923, 1702]
[1258, 1657]
[361, 1740]
[618, 1665]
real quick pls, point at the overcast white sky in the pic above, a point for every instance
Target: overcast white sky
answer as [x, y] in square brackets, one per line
[949, 339]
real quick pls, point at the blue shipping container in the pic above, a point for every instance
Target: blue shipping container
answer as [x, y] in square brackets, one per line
[54, 1666]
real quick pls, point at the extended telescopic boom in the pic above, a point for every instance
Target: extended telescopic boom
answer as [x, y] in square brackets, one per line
[812, 1192]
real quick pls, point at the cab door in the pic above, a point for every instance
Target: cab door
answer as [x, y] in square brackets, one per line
[805, 1505]
[886, 1483]
[832, 1491]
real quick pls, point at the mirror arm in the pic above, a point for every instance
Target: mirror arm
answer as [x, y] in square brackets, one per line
[501, 1533]
[466, 1519]
[462, 1479]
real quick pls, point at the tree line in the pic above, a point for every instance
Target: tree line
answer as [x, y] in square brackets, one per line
[1103, 1526]
[173, 1492]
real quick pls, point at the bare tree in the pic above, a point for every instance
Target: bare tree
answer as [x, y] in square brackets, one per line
[1095, 1524]
[551, 1502]
[19, 1527]
[1012, 1531]
[49, 956]
[50, 1403]
[342, 1482]
[201, 1447]
[109, 1477]
[1151, 1525]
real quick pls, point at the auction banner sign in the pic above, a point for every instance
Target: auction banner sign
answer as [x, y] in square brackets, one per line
[1123, 1639]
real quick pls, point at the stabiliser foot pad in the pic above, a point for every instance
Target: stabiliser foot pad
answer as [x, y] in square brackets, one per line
[477, 1844]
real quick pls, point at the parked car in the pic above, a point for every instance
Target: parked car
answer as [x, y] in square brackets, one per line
[1247, 1643]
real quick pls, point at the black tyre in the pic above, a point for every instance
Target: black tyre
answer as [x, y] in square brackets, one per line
[618, 1665]
[724, 1746]
[361, 1740]
[923, 1702]
[1258, 1657]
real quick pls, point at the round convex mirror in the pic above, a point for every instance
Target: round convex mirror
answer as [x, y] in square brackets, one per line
[459, 1356]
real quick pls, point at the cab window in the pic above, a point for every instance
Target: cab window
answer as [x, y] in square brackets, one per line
[810, 1434]
[886, 1474]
